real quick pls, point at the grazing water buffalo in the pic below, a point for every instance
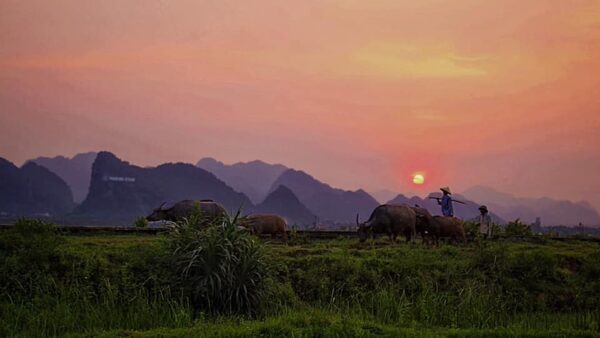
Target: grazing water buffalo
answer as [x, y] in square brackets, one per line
[389, 219]
[184, 209]
[450, 227]
[436, 227]
[424, 224]
[266, 224]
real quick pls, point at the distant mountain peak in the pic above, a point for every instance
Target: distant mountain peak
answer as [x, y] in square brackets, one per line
[252, 178]
[284, 202]
[328, 203]
[120, 191]
[75, 171]
[32, 190]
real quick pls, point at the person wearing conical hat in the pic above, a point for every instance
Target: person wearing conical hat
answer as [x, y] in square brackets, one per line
[485, 222]
[446, 202]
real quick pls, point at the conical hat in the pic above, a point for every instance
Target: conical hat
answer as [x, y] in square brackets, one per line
[446, 189]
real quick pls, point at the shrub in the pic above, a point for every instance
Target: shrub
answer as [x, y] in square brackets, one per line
[221, 269]
[29, 258]
[141, 222]
[472, 231]
[517, 228]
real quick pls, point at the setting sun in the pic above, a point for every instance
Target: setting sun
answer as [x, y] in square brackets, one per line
[418, 179]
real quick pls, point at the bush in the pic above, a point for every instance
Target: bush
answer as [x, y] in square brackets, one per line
[517, 228]
[472, 231]
[29, 258]
[222, 270]
[141, 222]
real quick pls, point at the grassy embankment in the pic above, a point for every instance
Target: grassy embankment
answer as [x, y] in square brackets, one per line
[114, 285]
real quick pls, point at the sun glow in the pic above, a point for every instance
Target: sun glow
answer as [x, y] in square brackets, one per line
[418, 179]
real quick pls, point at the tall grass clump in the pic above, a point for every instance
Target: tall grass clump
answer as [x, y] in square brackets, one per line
[221, 269]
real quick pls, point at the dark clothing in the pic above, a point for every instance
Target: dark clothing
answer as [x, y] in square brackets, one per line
[447, 209]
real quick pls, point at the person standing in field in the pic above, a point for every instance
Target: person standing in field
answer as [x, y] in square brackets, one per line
[446, 202]
[485, 222]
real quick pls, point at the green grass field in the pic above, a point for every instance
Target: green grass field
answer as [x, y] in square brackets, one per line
[122, 285]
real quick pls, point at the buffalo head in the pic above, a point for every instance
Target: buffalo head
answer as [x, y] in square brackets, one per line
[363, 230]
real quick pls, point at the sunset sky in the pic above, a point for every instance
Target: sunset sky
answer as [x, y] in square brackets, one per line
[358, 93]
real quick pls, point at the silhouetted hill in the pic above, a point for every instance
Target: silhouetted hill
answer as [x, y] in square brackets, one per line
[32, 190]
[76, 171]
[467, 211]
[251, 178]
[329, 204]
[120, 192]
[552, 212]
[383, 195]
[488, 195]
[283, 202]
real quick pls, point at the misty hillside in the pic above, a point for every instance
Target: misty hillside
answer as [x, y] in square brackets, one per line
[32, 190]
[467, 211]
[283, 202]
[251, 178]
[75, 171]
[120, 192]
[552, 212]
[329, 204]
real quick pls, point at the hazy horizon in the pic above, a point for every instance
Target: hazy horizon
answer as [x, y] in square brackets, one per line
[358, 94]
[373, 192]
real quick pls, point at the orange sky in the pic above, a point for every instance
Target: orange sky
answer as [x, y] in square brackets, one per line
[359, 93]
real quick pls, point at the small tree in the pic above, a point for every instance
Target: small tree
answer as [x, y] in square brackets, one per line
[141, 222]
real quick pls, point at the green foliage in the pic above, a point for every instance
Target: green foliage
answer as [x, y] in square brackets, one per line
[312, 322]
[472, 231]
[517, 228]
[199, 220]
[141, 222]
[73, 310]
[29, 257]
[48, 286]
[222, 269]
[497, 230]
[191, 283]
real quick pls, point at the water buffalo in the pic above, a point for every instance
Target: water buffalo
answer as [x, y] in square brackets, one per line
[424, 224]
[436, 227]
[184, 209]
[266, 224]
[450, 227]
[389, 219]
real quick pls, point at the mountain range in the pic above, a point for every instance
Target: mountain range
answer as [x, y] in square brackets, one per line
[32, 190]
[467, 211]
[75, 171]
[112, 190]
[323, 202]
[329, 204]
[253, 178]
[120, 192]
[551, 212]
